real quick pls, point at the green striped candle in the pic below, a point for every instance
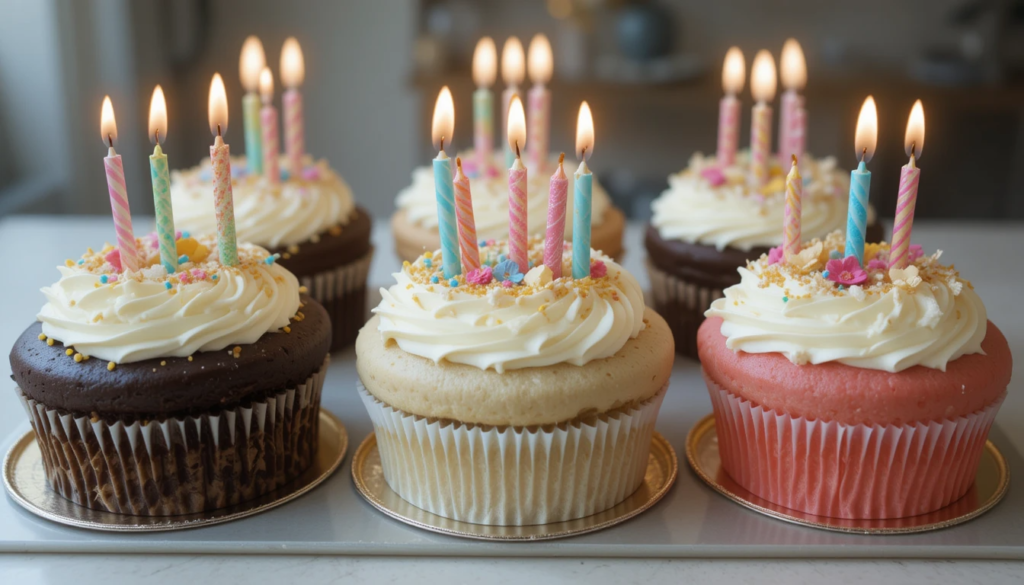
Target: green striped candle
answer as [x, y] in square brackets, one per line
[162, 182]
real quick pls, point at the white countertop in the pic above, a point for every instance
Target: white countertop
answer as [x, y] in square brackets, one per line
[986, 253]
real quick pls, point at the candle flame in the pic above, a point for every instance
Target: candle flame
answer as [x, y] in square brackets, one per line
[251, 62]
[516, 125]
[913, 141]
[293, 66]
[218, 106]
[866, 136]
[793, 65]
[158, 116]
[485, 62]
[539, 59]
[108, 126]
[734, 71]
[266, 85]
[762, 77]
[512, 62]
[584, 133]
[443, 125]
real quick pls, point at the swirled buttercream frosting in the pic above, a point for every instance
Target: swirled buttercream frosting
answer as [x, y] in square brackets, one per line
[490, 198]
[133, 316]
[815, 308]
[499, 318]
[714, 206]
[266, 214]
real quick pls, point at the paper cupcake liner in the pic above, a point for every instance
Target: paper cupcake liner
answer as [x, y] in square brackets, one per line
[342, 292]
[181, 465]
[512, 476]
[848, 471]
[682, 304]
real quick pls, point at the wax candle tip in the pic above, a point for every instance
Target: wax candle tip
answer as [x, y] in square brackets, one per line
[794, 158]
[561, 158]
[458, 162]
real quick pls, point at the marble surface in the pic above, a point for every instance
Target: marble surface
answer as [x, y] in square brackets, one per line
[691, 522]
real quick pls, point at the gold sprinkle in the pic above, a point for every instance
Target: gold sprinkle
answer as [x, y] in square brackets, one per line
[69, 351]
[189, 358]
[293, 249]
[286, 255]
[78, 358]
[42, 337]
[163, 362]
[303, 289]
[85, 357]
[72, 303]
[49, 341]
[287, 329]
[69, 263]
[111, 366]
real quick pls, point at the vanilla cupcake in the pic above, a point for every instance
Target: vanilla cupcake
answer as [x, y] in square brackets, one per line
[509, 399]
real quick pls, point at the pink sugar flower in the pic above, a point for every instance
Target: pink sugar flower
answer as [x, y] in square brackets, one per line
[846, 271]
[915, 252]
[775, 255]
[482, 275]
[598, 269]
[114, 259]
[713, 175]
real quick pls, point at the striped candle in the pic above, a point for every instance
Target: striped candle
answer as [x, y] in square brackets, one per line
[446, 222]
[581, 216]
[467, 225]
[539, 99]
[483, 127]
[789, 103]
[760, 143]
[517, 215]
[227, 243]
[794, 195]
[122, 214]
[294, 130]
[555, 234]
[163, 209]
[251, 123]
[728, 130]
[507, 96]
[271, 143]
[798, 132]
[904, 222]
[857, 214]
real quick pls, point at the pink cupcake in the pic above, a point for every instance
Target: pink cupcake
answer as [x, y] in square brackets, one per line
[848, 392]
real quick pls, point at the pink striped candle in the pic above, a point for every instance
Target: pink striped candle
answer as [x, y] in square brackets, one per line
[294, 131]
[271, 142]
[467, 225]
[223, 205]
[798, 132]
[539, 99]
[760, 144]
[555, 235]
[789, 103]
[794, 195]
[904, 222]
[517, 217]
[728, 130]
[119, 207]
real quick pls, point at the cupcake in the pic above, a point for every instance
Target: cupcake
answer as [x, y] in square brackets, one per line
[311, 220]
[414, 224]
[156, 394]
[848, 392]
[509, 399]
[710, 221]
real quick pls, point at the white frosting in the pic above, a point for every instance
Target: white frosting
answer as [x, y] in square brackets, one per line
[490, 199]
[268, 215]
[138, 318]
[928, 320]
[734, 214]
[525, 326]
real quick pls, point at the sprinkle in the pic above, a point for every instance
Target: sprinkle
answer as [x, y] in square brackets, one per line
[104, 279]
[69, 263]
[434, 279]
[167, 285]
[69, 351]
[453, 282]
[42, 337]
[85, 357]
[111, 366]
[183, 259]
[483, 243]
[303, 289]
[293, 249]
[49, 341]
[185, 235]
[163, 362]
[272, 258]
[78, 358]
[825, 274]
[405, 264]
[82, 261]
[841, 287]
[785, 299]
[428, 254]
[834, 255]
[214, 277]
[428, 262]
[287, 329]
[236, 350]
[189, 358]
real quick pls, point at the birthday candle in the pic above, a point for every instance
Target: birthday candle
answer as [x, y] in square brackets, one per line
[794, 194]
[733, 74]
[117, 190]
[517, 190]
[907, 198]
[162, 182]
[555, 234]
[484, 71]
[220, 156]
[582, 194]
[539, 60]
[866, 137]
[442, 127]
[792, 116]
[268, 117]
[251, 62]
[762, 85]
[293, 72]
[467, 225]
[512, 66]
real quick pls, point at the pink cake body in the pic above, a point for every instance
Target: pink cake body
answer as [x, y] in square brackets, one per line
[845, 442]
[837, 392]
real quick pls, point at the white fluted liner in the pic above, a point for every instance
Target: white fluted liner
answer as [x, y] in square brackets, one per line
[335, 283]
[682, 304]
[514, 476]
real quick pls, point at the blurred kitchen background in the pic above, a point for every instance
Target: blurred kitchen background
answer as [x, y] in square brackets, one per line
[650, 70]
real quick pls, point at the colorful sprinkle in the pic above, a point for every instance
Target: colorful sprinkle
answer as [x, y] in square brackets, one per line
[483, 243]
[82, 261]
[167, 285]
[111, 366]
[272, 258]
[785, 299]
[78, 358]
[428, 254]
[69, 351]
[182, 259]
[825, 274]
[42, 337]
[453, 282]
[214, 277]
[598, 269]
[104, 279]
[185, 235]
[834, 255]
[434, 280]
[287, 329]
[428, 262]
[49, 341]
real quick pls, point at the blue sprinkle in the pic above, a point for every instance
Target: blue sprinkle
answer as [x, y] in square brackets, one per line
[285, 174]
[428, 262]
[214, 277]
[785, 299]
[184, 234]
[834, 255]
[433, 280]
[825, 274]
[104, 279]
[453, 282]
[167, 285]
[841, 287]
[269, 260]
[82, 261]
[183, 258]
[531, 263]
[483, 243]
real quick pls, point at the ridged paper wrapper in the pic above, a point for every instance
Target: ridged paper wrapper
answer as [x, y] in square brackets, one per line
[682, 304]
[342, 292]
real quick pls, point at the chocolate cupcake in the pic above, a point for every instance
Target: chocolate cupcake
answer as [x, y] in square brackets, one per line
[710, 221]
[158, 394]
[311, 220]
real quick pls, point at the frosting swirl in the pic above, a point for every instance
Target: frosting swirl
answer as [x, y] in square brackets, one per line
[925, 315]
[535, 324]
[716, 207]
[490, 199]
[269, 215]
[130, 317]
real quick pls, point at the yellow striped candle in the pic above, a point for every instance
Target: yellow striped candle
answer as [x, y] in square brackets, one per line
[762, 86]
[794, 195]
[467, 225]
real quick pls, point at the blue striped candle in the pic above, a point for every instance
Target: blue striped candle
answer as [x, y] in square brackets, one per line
[857, 215]
[581, 199]
[444, 190]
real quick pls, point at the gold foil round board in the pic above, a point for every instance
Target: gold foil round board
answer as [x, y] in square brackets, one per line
[368, 476]
[991, 484]
[25, 480]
